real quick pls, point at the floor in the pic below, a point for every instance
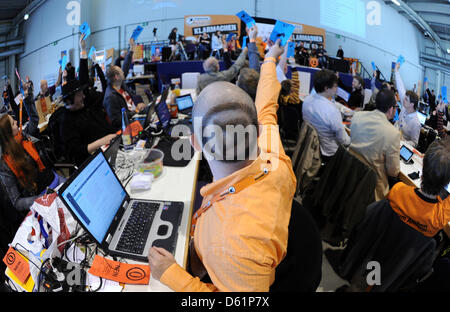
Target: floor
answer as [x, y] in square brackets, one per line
[330, 280]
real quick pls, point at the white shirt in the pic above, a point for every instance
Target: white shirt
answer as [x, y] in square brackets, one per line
[408, 124]
[216, 44]
[327, 120]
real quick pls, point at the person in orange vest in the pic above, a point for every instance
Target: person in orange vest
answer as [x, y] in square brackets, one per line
[23, 173]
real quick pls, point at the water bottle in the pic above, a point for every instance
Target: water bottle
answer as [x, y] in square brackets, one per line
[126, 131]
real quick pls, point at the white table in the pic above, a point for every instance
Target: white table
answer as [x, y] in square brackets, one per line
[175, 184]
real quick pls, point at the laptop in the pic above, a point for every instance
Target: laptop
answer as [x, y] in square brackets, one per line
[422, 118]
[112, 150]
[185, 104]
[167, 140]
[120, 225]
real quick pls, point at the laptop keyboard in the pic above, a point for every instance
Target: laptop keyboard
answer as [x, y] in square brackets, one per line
[135, 234]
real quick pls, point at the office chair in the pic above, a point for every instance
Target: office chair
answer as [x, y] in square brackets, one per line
[53, 144]
[301, 269]
[404, 254]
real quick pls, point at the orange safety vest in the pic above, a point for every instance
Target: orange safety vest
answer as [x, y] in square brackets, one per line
[28, 146]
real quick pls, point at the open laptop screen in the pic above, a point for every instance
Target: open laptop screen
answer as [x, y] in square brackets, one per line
[95, 196]
[184, 102]
[422, 118]
[163, 111]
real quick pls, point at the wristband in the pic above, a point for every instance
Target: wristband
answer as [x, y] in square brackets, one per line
[270, 59]
[252, 40]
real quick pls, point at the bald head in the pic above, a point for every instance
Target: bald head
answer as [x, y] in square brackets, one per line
[211, 64]
[223, 107]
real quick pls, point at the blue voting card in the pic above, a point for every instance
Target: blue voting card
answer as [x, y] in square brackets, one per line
[373, 66]
[247, 19]
[401, 60]
[282, 31]
[64, 62]
[92, 51]
[444, 93]
[85, 30]
[244, 42]
[230, 35]
[291, 49]
[137, 32]
[425, 79]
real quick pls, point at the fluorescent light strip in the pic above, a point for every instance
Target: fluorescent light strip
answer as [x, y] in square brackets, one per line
[396, 2]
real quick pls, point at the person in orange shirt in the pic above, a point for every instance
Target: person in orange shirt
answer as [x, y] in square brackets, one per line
[240, 232]
[426, 209]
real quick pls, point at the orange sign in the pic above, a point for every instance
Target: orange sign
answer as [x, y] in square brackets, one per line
[313, 62]
[17, 264]
[120, 272]
[195, 25]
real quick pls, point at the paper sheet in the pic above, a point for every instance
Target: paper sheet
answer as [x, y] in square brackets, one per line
[305, 83]
[107, 285]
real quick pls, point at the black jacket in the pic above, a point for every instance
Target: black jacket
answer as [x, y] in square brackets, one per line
[346, 187]
[404, 254]
[431, 100]
[301, 269]
[81, 128]
[356, 98]
[114, 101]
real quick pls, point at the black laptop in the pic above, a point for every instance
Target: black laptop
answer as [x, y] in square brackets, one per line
[185, 104]
[113, 149]
[168, 139]
[121, 225]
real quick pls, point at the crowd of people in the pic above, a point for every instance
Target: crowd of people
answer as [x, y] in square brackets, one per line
[214, 44]
[241, 237]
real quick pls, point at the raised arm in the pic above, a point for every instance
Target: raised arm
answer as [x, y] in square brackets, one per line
[399, 83]
[268, 88]
[129, 58]
[232, 72]
[84, 69]
[253, 53]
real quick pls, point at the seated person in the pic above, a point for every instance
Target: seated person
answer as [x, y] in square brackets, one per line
[289, 90]
[424, 208]
[232, 241]
[378, 141]
[47, 91]
[323, 115]
[441, 120]
[322, 54]
[24, 175]
[408, 121]
[84, 127]
[118, 95]
[384, 85]
[122, 56]
[204, 46]
[356, 91]
[213, 73]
